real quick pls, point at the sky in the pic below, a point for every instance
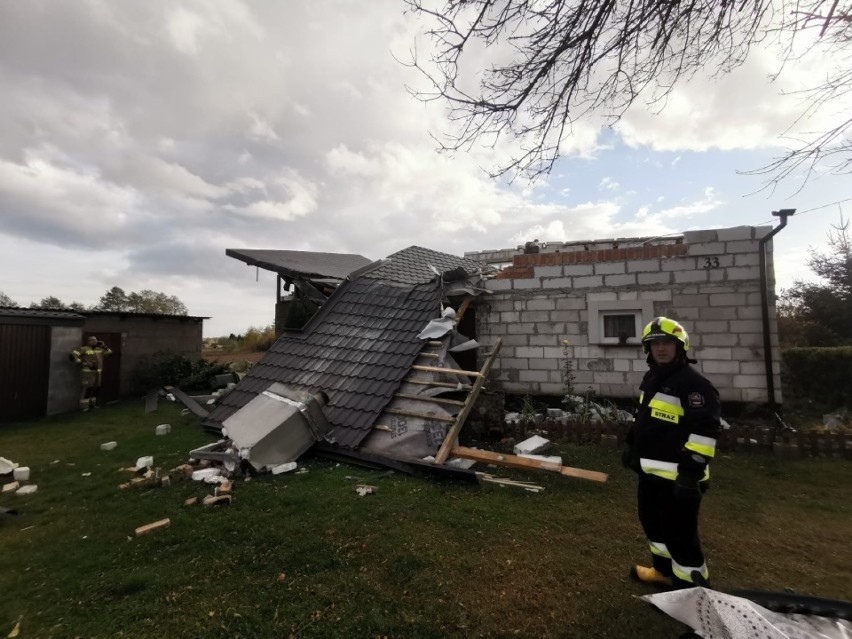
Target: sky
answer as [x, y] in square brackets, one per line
[139, 140]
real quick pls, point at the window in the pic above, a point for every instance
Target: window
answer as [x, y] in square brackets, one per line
[620, 327]
[618, 322]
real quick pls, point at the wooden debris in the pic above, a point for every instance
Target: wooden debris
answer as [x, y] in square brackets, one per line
[364, 489]
[224, 488]
[503, 481]
[514, 461]
[190, 501]
[217, 500]
[448, 371]
[452, 435]
[11, 487]
[162, 523]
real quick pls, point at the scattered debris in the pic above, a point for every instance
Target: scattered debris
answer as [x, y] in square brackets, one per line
[144, 462]
[204, 473]
[163, 429]
[21, 473]
[108, 445]
[85, 474]
[217, 500]
[364, 489]
[7, 466]
[531, 446]
[157, 525]
[503, 481]
[190, 501]
[11, 487]
[29, 489]
[283, 468]
[186, 400]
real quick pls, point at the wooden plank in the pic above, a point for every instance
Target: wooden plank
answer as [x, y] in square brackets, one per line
[430, 355]
[429, 382]
[514, 461]
[143, 530]
[434, 343]
[504, 459]
[452, 435]
[448, 371]
[411, 413]
[424, 398]
[462, 310]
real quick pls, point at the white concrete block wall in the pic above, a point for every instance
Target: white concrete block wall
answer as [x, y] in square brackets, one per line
[709, 282]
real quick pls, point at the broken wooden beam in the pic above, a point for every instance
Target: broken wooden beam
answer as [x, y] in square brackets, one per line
[426, 398]
[448, 371]
[515, 461]
[429, 382]
[144, 530]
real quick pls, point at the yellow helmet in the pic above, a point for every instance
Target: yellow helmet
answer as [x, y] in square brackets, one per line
[661, 327]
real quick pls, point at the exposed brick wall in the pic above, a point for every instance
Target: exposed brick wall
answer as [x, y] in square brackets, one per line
[708, 280]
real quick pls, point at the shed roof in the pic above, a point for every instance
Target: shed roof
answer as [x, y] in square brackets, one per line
[301, 263]
[39, 316]
[359, 346]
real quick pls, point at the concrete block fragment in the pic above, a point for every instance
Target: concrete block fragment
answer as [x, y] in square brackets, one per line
[108, 445]
[11, 487]
[21, 473]
[204, 473]
[29, 489]
[531, 446]
[163, 429]
[283, 468]
[145, 462]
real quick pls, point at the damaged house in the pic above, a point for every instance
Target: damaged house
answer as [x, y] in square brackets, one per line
[390, 392]
[587, 302]
[382, 374]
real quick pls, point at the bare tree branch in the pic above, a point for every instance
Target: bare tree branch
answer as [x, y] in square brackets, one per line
[568, 58]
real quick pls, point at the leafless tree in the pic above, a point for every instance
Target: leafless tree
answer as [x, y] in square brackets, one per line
[568, 58]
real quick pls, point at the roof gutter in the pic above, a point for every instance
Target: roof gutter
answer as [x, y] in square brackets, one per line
[764, 304]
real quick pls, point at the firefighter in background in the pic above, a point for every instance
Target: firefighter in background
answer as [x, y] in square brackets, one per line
[90, 357]
[670, 445]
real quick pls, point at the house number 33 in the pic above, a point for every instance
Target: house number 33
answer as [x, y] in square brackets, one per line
[711, 262]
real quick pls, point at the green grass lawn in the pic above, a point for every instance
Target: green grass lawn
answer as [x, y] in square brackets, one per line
[305, 556]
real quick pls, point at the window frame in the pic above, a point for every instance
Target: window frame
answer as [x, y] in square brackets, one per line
[642, 311]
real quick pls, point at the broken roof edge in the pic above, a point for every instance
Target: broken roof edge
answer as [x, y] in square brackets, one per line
[251, 258]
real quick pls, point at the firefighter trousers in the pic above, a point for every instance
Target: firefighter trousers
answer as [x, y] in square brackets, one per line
[671, 526]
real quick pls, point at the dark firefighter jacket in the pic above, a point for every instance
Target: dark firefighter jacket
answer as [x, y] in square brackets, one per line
[676, 425]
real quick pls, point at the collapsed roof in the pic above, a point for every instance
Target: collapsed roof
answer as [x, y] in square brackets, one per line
[362, 343]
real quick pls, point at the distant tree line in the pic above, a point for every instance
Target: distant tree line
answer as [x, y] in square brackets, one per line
[115, 299]
[820, 314]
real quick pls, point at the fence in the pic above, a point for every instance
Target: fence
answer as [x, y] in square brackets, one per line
[739, 437]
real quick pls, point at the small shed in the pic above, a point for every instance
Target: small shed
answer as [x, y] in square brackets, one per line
[134, 336]
[36, 376]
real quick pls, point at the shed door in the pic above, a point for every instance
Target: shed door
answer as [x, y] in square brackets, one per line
[110, 377]
[24, 371]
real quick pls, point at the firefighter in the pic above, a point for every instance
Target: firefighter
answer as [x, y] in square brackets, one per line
[670, 445]
[90, 357]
